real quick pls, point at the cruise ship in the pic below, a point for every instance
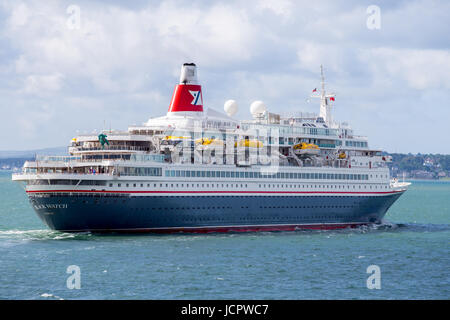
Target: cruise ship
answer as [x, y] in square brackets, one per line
[198, 169]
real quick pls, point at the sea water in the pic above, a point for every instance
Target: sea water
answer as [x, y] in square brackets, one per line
[410, 250]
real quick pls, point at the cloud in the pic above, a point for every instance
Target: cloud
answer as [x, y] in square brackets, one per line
[123, 61]
[420, 68]
[114, 40]
[32, 121]
[42, 84]
[19, 16]
[279, 7]
[311, 55]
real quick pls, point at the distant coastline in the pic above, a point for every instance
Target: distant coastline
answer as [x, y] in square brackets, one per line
[420, 166]
[14, 154]
[425, 180]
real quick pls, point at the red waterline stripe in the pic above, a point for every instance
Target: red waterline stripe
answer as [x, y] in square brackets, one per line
[228, 228]
[264, 192]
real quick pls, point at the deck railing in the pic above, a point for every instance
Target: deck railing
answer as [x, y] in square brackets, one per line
[115, 148]
[70, 160]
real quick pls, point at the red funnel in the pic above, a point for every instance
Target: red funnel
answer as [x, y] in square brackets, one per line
[187, 96]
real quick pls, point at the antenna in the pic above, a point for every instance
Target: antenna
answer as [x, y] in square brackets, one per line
[322, 78]
[325, 105]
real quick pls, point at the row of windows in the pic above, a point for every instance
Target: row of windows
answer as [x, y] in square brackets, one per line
[97, 201]
[237, 185]
[127, 197]
[229, 207]
[251, 174]
[132, 171]
[290, 218]
[200, 185]
[358, 144]
[244, 185]
[305, 207]
[289, 130]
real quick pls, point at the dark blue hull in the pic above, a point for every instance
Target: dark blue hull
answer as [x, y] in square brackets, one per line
[118, 212]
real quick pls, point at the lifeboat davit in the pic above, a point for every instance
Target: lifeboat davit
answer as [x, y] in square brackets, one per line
[247, 143]
[172, 142]
[207, 143]
[306, 149]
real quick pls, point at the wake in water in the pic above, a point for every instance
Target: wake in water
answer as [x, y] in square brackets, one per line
[385, 226]
[402, 227]
[41, 235]
[51, 296]
[423, 227]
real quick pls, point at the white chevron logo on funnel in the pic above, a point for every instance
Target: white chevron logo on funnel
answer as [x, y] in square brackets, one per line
[197, 98]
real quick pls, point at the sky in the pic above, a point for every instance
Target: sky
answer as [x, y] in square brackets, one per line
[71, 67]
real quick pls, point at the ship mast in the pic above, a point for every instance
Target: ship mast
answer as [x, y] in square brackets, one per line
[325, 104]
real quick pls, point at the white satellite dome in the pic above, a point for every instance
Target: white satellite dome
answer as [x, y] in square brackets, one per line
[257, 108]
[230, 107]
